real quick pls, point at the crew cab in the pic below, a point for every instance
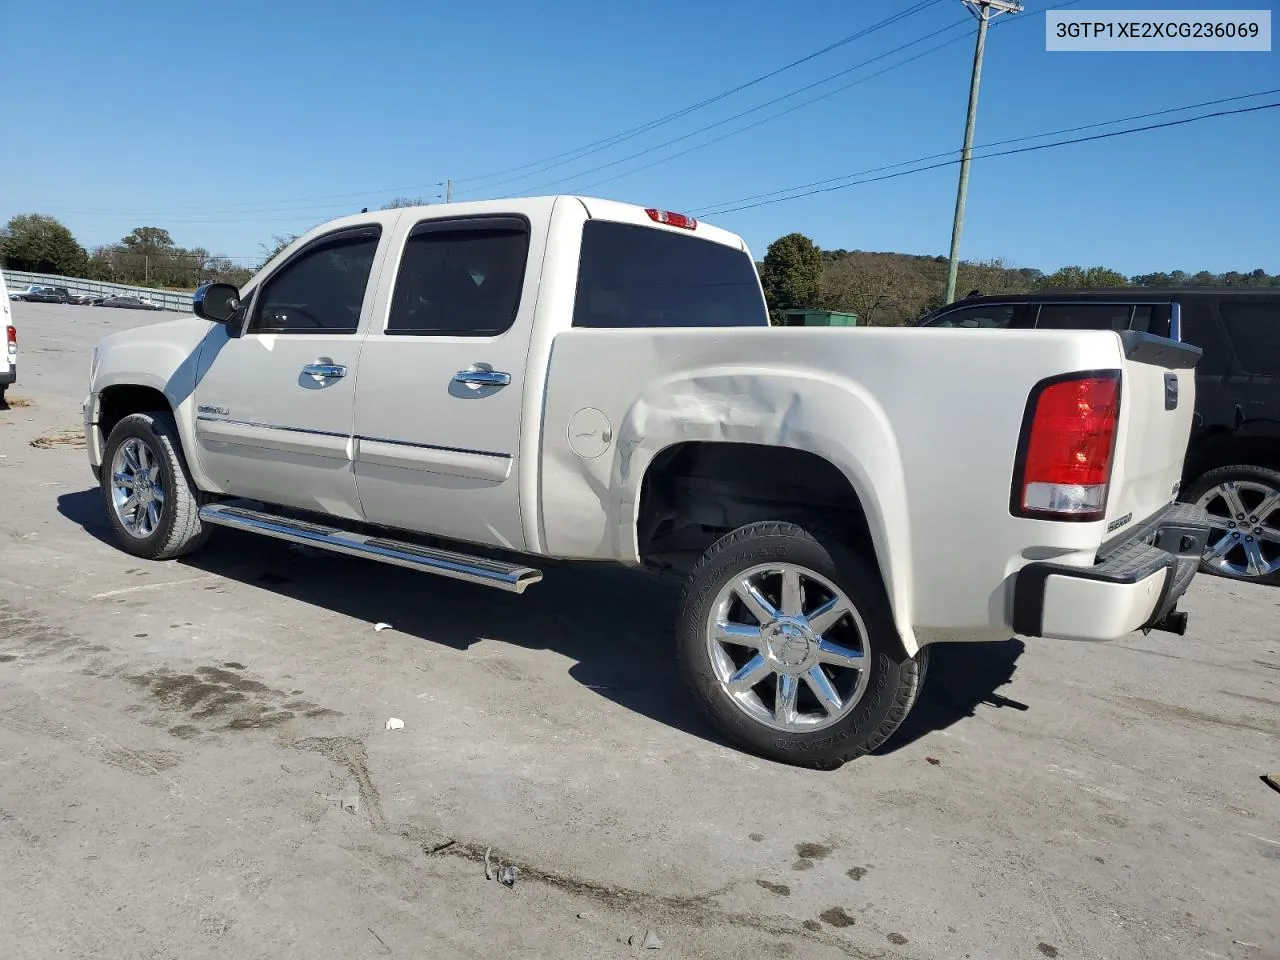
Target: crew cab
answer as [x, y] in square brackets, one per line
[473, 390]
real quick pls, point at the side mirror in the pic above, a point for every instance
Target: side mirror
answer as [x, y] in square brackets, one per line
[216, 301]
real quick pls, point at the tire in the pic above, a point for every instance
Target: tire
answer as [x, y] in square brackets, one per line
[176, 529]
[1243, 501]
[874, 697]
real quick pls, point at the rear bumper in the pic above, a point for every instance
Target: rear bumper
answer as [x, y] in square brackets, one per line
[8, 374]
[1135, 585]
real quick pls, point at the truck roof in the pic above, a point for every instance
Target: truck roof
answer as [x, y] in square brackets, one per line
[596, 208]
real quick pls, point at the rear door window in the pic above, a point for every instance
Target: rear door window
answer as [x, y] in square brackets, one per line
[992, 316]
[1254, 329]
[1086, 316]
[1200, 328]
[634, 276]
[460, 278]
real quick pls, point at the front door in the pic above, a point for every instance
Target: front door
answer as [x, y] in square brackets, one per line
[438, 413]
[275, 405]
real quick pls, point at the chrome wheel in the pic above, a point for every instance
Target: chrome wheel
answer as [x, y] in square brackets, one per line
[1244, 540]
[137, 488]
[788, 647]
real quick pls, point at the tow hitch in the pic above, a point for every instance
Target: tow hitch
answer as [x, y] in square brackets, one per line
[1175, 621]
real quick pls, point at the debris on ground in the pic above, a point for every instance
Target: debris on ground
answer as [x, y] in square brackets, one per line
[351, 804]
[382, 944]
[650, 941]
[395, 723]
[507, 876]
[64, 438]
[934, 761]
[379, 627]
[1272, 780]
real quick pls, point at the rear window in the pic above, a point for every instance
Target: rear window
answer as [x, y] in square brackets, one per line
[1254, 329]
[632, 276]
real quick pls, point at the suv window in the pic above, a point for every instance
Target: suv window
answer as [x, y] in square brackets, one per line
[321, 290]
[633, 276]
[1254, 329]
[1086, 316]
[460, 278]
[1200, 328]
[995, 315]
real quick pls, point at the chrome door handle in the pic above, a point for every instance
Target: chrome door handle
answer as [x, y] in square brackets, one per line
[475, 378]
[325, 371]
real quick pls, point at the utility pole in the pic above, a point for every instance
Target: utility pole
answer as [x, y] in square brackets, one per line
[448, 191]
[985, 11]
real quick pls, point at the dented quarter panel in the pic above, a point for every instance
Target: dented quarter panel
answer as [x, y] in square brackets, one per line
[923, 423]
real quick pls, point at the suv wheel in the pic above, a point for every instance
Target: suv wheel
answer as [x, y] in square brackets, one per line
[789, 644]
[153, 506]
[1243, 502]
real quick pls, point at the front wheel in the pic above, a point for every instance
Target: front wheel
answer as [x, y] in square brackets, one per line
[152, 504]
[789, 644]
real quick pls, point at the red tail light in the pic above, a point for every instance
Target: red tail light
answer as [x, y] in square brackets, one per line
[672, 219]
[1067, 447]
[13, 339]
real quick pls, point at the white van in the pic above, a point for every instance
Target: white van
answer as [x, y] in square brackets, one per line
[9, 345]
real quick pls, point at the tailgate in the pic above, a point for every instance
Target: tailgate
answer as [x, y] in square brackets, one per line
[1157, 402]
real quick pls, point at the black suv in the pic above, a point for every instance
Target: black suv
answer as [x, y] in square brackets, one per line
[1233, 460]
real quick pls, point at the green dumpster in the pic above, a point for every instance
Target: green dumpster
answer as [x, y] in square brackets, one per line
[819, 318]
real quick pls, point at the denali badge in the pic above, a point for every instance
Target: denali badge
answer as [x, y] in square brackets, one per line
[210, 408]
[1119, 522]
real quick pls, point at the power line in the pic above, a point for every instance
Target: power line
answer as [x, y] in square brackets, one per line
[768, 103]
[578, 152]
[557, 159]
[1002, 153]
[792, 109]
[714, 207]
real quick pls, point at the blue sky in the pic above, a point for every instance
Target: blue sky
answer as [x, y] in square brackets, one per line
[232, 123]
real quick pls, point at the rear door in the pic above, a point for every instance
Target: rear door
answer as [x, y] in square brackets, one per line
[443, 376]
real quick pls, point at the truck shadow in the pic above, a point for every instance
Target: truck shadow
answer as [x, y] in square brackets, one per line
[961, 678]
[615, 625]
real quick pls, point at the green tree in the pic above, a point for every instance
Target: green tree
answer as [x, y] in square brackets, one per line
[1081, 277]
[791, 274]
[405, 202]
[278, 243]
[41, 244]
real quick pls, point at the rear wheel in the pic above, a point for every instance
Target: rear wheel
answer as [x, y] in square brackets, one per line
[1243, 502]
[152, 504]
[789, 644]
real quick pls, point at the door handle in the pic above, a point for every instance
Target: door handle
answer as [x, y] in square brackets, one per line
[476, 378]
[325, 371]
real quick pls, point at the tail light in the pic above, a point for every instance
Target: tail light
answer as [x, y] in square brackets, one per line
[12, 339]
[1067, 447]
[672, 219]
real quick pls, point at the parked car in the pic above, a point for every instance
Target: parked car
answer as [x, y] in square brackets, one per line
[9, 358]
[1233, 461]
[573, 379]
[87, 299]
[130, 303]
[37, 294]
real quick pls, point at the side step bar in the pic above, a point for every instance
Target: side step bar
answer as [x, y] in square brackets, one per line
[481, 570]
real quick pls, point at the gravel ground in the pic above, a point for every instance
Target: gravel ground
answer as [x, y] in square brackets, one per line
[193, 762]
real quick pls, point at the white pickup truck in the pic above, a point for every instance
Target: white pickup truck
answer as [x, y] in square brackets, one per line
[465, 389]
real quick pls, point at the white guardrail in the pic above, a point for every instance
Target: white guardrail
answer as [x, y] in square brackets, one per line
[17, 280]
